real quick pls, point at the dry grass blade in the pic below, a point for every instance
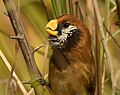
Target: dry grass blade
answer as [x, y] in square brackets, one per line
[19, 83]
[13, 67]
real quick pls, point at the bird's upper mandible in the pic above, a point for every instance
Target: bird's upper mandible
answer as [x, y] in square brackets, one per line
[51, 27]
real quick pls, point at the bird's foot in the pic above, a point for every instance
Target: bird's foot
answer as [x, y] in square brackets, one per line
[43, 82]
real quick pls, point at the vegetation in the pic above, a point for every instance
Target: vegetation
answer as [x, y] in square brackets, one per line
[103, 20]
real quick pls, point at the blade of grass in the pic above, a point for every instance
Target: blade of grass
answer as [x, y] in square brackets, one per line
[63, 7]
[55, 8]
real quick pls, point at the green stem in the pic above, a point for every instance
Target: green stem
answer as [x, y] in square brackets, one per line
[55, 8]
[63, 6]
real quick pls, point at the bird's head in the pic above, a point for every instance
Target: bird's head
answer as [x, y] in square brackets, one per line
[66, 31]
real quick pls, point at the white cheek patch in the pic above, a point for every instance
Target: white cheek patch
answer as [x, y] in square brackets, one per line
[70, 28]
[67, 32]
[63, 37]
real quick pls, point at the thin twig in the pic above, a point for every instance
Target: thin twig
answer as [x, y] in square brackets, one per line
[112, 37]
[37, 48]
[24, 45]
[104, 42]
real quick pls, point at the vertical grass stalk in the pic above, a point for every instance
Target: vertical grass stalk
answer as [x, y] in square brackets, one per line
[104, 42]
[55, 8]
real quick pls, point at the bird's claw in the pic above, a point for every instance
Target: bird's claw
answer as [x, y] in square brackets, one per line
[43, 82]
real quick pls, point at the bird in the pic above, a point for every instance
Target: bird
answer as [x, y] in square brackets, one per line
[71, 66]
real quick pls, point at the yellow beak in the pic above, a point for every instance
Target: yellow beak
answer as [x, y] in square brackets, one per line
[51, 27]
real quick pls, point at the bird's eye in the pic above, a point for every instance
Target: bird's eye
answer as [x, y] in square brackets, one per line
[66, 25]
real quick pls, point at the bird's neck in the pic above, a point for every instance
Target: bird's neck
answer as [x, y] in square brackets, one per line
[62, 59]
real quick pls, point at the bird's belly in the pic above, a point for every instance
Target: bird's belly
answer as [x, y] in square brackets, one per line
[67, 82]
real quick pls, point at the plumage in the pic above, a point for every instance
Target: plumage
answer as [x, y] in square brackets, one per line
[71, 67]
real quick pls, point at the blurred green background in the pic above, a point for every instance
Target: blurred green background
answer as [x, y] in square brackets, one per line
[34, 15]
